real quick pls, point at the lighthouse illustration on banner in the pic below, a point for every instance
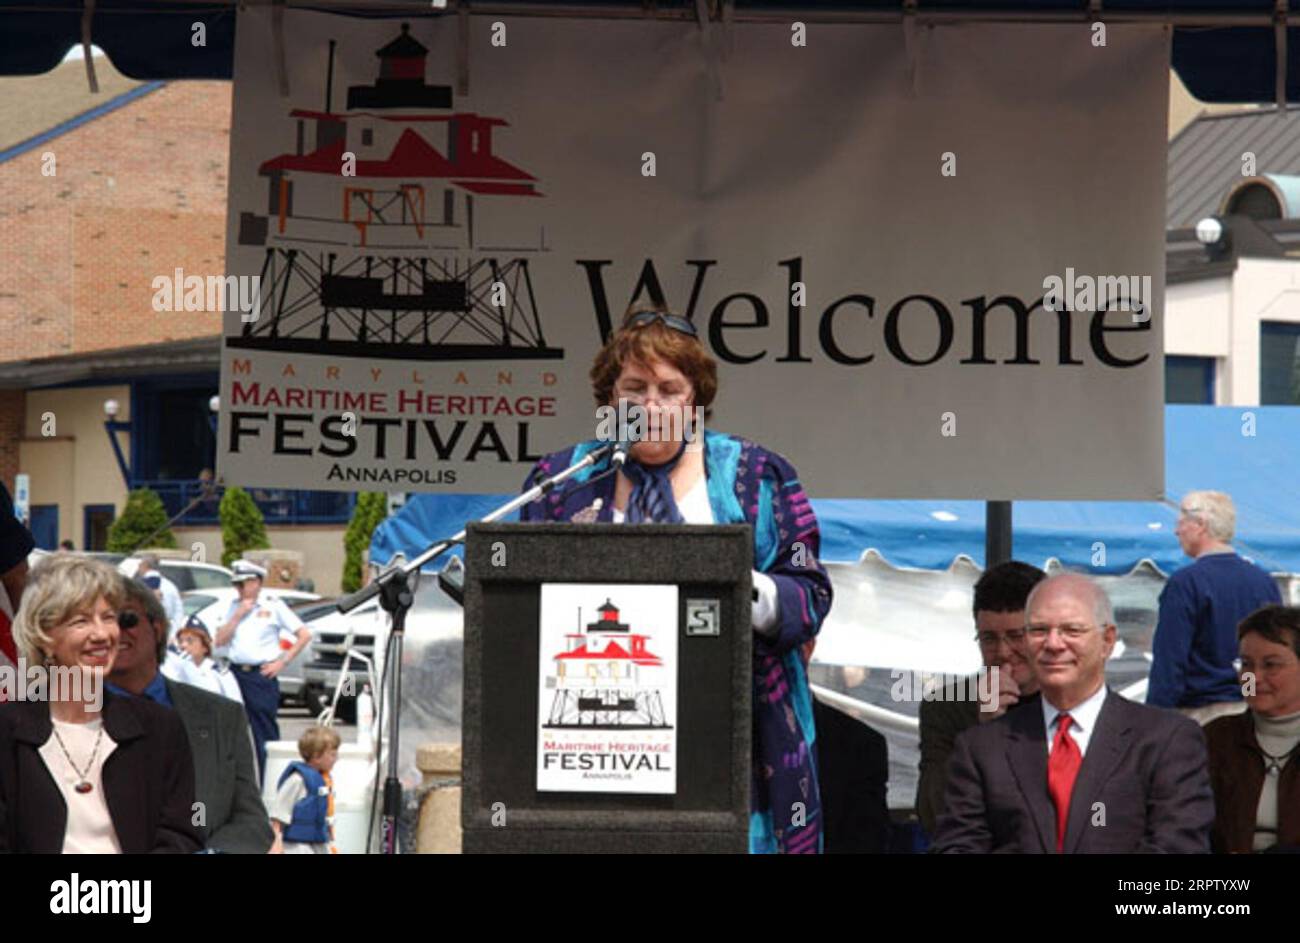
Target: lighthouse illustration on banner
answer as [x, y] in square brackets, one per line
[385, 219]
[607, 693]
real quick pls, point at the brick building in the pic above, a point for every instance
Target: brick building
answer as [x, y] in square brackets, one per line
[102, 194]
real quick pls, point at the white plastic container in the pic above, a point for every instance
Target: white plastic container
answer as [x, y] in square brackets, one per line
[365, 718]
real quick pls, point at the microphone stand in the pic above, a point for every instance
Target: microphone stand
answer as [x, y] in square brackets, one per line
[395, 592]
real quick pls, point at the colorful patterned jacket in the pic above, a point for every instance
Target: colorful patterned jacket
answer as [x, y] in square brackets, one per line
[748, 484]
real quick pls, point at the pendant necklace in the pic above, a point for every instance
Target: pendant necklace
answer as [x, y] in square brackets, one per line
[83, 785]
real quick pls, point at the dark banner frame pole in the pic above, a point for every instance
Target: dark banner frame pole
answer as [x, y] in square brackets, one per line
[997, 533]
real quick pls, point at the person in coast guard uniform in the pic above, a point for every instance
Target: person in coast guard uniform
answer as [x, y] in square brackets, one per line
[253, 628]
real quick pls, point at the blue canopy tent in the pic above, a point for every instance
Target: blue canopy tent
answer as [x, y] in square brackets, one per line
[1249, 452]
[1224, 50]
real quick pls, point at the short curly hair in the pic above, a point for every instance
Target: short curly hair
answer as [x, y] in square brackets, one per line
[646, 343]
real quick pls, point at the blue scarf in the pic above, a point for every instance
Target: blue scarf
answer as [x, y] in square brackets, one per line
[652, 501]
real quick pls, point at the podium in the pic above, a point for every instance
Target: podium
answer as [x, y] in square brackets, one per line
[608, 685]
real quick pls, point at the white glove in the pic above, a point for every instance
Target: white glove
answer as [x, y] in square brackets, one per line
[767, 607]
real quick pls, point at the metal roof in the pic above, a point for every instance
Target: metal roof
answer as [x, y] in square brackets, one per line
[1205, 158]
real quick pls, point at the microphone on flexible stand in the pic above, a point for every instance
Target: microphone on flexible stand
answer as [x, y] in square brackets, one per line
[618, 458]
[631, 430]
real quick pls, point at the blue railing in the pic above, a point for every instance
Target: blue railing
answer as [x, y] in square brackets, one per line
[278, 505]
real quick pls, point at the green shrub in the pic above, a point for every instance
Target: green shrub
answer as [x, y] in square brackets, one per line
[371, 508]
[242, 525]
[143, 515]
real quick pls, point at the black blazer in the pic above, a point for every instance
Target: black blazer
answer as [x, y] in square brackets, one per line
[148, 780]
[1146, 766]
[852, 774]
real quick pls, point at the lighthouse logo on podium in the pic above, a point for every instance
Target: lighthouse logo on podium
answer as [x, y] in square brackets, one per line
[607, 692]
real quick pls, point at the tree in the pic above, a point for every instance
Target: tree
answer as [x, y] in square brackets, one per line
[242, 525]
[371, 508]
[143, 515]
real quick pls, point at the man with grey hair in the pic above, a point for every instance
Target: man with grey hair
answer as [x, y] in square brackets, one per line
[1195, 644]
[1084, 770]
[150, 574]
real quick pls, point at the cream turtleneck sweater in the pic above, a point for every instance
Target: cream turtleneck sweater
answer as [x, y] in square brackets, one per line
[1278, 736]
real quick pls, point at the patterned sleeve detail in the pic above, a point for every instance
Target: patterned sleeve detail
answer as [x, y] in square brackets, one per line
[803, 586]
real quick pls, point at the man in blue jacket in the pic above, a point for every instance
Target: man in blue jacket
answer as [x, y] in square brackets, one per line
[1196, 637]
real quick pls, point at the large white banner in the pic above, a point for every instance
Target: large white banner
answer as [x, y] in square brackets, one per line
[862, 228]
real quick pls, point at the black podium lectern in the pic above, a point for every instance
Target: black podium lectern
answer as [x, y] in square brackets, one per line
[607, 688]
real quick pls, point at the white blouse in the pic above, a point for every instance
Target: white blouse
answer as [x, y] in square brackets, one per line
[90, 827]
[696, 509]
[209, 675]
[694, 505]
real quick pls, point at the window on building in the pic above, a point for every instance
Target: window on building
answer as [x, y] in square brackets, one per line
[1189, 380]
[176, 439]
[1279, 364]
[98, 519]
[367, 137]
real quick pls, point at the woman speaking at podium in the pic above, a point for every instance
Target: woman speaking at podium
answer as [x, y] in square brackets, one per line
[655, 361]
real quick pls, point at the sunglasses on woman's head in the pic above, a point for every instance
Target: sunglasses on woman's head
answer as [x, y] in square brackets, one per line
[681, 325]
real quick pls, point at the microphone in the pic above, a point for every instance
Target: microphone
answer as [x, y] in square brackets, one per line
[631, 429]
[621, 449]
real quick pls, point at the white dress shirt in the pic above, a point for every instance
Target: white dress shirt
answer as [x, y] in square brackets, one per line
[172, 604]
[257, 636]
[209, 675]
[1083, 720]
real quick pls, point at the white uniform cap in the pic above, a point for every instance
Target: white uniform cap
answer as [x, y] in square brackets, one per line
[246, 570]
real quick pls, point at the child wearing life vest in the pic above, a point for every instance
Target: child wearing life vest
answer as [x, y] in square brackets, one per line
[302, 814]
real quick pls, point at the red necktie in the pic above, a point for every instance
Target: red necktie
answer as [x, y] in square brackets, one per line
[1062, 770]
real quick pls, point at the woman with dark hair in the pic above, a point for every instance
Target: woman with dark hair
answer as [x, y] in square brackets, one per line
[1255, 756]
[655, 369]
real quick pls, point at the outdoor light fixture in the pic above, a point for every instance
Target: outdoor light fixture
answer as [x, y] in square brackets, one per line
[214, 404]
[1215, 237]
[1209, 231]
[112, 426]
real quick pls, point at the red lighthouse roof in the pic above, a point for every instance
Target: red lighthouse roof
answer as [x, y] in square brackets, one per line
[614, 652]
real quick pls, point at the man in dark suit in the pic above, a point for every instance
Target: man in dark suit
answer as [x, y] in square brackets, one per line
[233, 819]
[1085, 770]
[999, 611]
[852, 774]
